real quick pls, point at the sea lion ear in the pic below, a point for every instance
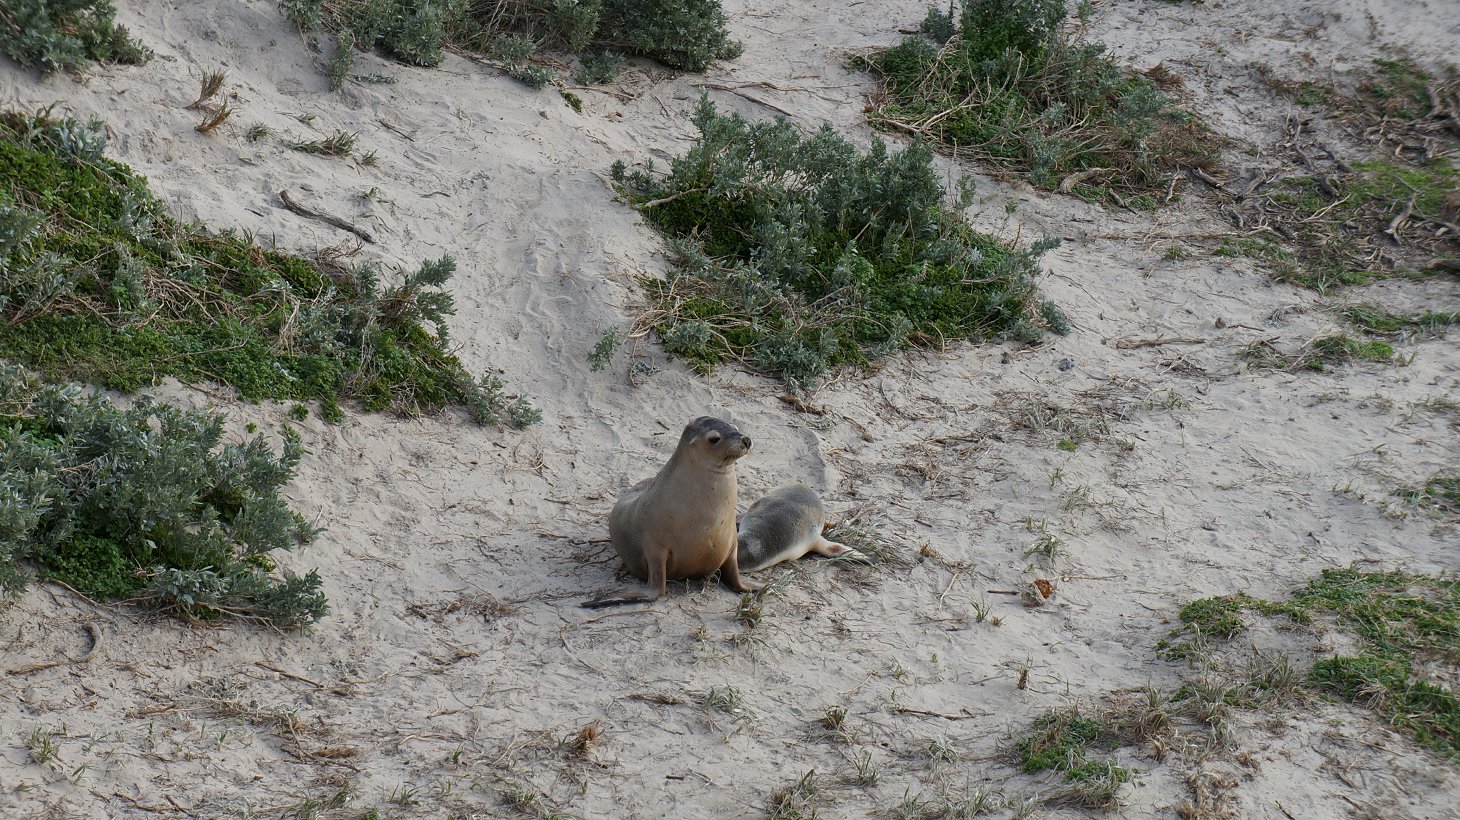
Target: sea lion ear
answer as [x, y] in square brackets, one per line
[694, 428]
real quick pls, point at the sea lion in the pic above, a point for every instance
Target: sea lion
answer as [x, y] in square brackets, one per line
[681, 522]
[784, 525]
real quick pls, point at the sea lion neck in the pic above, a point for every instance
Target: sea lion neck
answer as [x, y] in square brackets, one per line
[700, 461]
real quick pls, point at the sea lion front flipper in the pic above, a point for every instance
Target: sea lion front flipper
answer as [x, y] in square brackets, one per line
[658, 584]
[730, 574]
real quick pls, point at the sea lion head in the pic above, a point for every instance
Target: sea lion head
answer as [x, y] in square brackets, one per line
[716, 440]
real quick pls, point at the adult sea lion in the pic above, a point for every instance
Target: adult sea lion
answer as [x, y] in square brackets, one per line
[784, 525]
[681, 522]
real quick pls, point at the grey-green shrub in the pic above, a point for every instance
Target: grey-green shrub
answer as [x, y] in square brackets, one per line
[796, 254]
[602, 67]
[144, 503]
[64, 34]
[340, 64]
[1007, 87]
[683, 34]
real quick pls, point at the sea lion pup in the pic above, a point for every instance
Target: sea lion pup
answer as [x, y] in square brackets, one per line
[784, 525]
[681, 522]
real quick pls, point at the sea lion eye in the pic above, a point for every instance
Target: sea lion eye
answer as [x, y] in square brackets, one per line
[714, 438]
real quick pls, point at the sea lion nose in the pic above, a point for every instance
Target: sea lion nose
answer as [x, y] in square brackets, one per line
[745, 442]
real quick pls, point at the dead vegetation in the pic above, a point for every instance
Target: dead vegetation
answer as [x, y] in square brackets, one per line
[1365, 182]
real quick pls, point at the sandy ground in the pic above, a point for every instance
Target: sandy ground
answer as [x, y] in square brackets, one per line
[455, 662]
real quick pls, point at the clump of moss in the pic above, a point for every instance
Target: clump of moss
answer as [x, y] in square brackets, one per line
[1405, 622]
[144, 503]
[99, 284]
[797, 254]
[1404, 90]
[1008, 87]
[1217, 618]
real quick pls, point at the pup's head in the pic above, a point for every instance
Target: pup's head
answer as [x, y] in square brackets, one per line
[715, 440]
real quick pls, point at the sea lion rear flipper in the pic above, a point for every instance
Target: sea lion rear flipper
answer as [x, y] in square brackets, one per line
[619, 599]
[832, 549]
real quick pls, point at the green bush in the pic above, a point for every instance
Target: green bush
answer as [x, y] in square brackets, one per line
[796, 254]
[1008, 88]
[602, 67]
[64, 34]
[411, 31]
[98, 284]
[683, 34]
[144, 503]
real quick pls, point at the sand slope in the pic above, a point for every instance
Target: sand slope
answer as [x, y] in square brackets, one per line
[455, 659]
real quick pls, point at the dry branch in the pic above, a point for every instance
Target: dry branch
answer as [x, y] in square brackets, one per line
[91, 630]
[338, 223]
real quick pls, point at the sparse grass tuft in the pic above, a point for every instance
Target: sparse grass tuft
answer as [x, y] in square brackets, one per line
[795, 254]
[41, 745]
[1007, 87]
[213, 117]
[404, 795]
[721, 698]
[580, 745]
[1320, 354]
[1441, 492]
[749, 611]
[211, 84]
[795, 802]
[1060, 741]
[867, 541]
[1094, 786]
[338, 144]
[833, 718]
[940, 750]
[1406, 623]
[1048, 548]
[1373, 319]
[864, 770]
